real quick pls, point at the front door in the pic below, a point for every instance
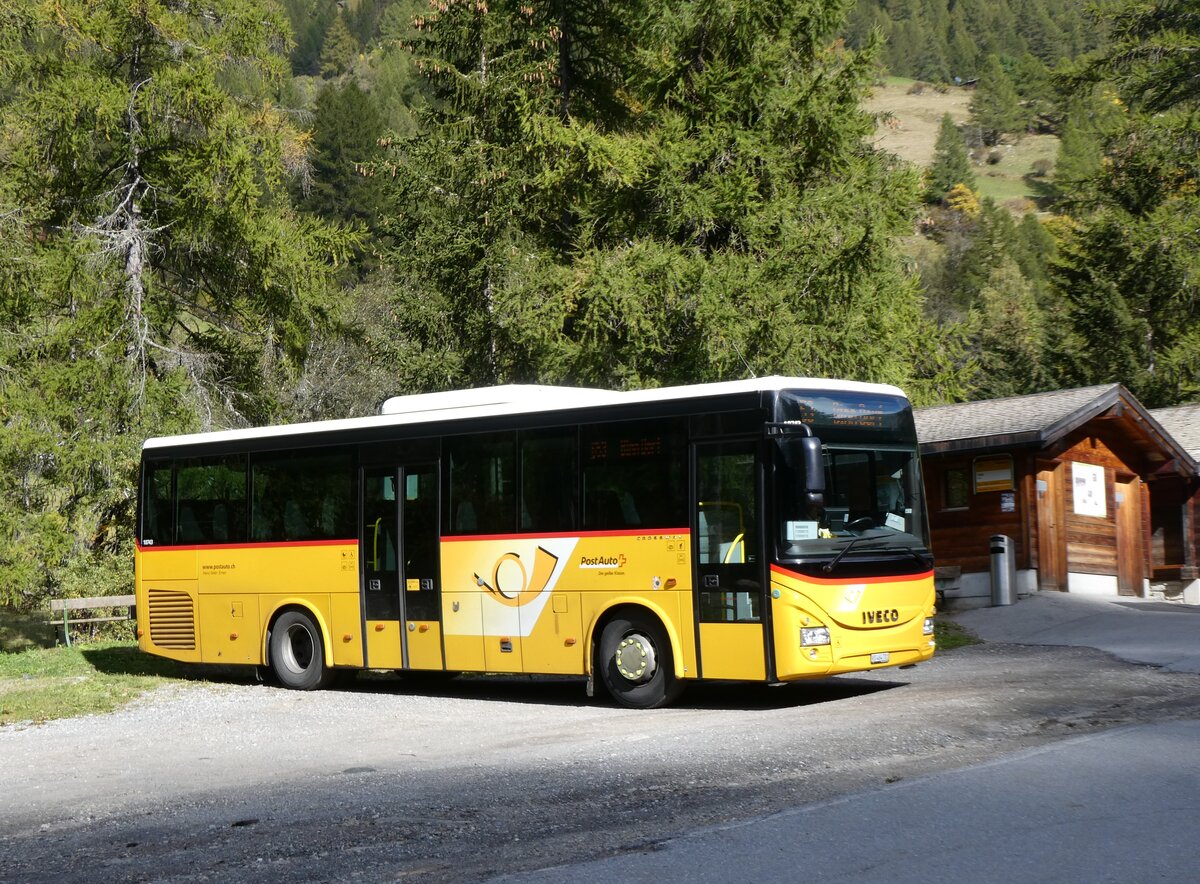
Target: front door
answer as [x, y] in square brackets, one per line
[729, 577]
[1131, 557]
[1051, 529]
[401, 571]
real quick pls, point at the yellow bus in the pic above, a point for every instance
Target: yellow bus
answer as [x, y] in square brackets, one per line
[765, 530]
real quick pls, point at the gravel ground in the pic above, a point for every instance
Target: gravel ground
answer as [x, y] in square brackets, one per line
[472, 778]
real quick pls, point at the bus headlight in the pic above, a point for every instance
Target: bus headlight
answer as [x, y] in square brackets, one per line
[929, 626]
[814, 635]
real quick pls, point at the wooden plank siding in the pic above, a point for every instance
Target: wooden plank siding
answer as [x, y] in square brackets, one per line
[960, 534]
[1092, 540]
[1150, 527]
[1088, 544]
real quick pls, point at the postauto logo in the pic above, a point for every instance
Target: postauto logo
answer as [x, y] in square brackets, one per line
[603, 562]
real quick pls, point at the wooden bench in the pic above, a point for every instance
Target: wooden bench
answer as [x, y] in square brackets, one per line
[946, 577]
[67, 606]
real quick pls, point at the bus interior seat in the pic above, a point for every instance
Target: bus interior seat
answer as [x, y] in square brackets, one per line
[465, 518]
[189, 525]
[295, 526]
[605, 510]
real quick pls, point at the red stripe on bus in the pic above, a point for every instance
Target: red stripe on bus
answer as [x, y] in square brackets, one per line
[624, 532]
[890, 578]
[265, 544]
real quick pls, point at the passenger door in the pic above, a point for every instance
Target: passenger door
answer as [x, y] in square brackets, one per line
[729, 576]
[401, 567]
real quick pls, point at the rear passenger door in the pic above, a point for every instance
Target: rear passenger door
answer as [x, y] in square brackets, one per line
[401, 571]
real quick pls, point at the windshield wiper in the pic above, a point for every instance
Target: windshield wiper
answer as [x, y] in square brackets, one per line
[830, 565]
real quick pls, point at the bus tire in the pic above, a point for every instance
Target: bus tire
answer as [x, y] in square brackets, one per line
[298, 653]
[635, 663]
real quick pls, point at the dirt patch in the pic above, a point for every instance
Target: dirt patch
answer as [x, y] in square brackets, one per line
[910, 127]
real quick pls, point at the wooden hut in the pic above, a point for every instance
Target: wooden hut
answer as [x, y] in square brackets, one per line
[1072, 477]
[1174, 517]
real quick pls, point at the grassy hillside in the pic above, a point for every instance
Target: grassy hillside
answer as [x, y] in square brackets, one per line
[911, 128]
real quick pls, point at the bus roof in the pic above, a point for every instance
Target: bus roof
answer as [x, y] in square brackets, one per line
[513, 399]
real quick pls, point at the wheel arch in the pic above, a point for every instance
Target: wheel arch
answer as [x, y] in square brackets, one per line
[302, 607]
[635, 607]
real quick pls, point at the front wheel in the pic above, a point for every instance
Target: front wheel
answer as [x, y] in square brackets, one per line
[297, 653]
[635, 663]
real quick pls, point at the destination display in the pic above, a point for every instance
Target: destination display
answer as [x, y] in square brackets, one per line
[868, 413]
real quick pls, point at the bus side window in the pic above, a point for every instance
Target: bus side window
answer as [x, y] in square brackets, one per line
[633, 475]
[157, 525]
[482, 495]
[210, 500]
[303, 496]
[548, 485]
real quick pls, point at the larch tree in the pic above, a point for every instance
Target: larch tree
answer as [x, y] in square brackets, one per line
[673, 192]
[1129, 246]
[160, 280]
[951, 163]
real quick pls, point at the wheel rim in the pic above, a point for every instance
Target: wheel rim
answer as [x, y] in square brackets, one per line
[636, 658]
[297, 649]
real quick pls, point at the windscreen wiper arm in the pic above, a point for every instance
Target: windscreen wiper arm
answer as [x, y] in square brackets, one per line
[831, 564]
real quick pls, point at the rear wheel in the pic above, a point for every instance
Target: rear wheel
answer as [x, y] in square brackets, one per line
[298, 653]
[635, 663]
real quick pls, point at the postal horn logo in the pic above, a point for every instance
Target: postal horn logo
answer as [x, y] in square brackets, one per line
[512, 584]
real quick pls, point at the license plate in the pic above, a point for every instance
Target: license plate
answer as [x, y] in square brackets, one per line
[881, 658]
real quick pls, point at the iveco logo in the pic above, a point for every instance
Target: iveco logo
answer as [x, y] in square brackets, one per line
[873, 617]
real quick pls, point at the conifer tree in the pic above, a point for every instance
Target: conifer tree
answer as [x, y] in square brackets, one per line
[673, 193]
[309, 20]
[951, 164]
[995, 106]
[162, 278]
[339, 49]
[347, 128]
[1127, 264]
[1010, 335]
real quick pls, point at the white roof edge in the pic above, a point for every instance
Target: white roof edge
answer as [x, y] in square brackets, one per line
[505, 394]
[521, 399]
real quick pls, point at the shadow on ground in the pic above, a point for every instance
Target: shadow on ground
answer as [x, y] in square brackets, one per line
[535, 690]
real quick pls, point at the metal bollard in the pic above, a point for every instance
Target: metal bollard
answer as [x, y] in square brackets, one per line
[1004, 570]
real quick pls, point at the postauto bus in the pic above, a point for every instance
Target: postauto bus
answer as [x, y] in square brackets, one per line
[765, 530]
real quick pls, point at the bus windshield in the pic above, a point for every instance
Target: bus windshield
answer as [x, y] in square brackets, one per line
[870, 502]
[871, 493]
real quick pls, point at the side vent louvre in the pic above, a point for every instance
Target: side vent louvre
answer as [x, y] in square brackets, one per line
[172, 620]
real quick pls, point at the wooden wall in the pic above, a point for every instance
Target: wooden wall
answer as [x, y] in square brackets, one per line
[960, 534]
[1168, 508]
[1092, 540]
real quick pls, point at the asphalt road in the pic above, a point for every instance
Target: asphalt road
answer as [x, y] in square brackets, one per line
[1115, 806]
[477, 779]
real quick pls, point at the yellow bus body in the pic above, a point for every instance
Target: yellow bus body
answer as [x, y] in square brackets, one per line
[881, 617]
[516, 603]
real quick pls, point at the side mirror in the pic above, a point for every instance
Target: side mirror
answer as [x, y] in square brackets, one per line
[814, 471]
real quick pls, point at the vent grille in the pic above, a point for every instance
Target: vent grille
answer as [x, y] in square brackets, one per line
[172, 620]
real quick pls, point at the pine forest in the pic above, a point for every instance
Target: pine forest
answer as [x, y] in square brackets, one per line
[227, 213]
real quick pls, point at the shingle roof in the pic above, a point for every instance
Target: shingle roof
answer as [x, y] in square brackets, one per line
[1182, 422]
[1169, 436]
[1034, 416]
